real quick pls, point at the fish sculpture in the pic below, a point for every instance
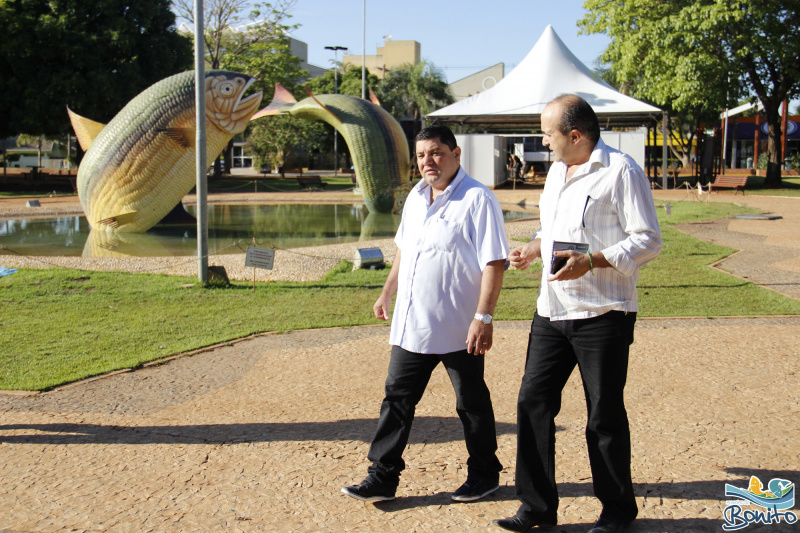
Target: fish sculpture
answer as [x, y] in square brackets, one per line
[139, 166]
[376, 141]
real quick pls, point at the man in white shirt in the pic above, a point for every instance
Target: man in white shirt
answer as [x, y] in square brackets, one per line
[585, 314]
[451, 252]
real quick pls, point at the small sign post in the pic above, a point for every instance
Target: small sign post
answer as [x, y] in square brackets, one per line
[258, 258]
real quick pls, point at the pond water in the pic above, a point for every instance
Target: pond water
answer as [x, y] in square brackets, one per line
[231, 228]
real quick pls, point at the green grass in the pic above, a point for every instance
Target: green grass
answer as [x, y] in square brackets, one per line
[342, 182]
[61, 325]
[790, 187]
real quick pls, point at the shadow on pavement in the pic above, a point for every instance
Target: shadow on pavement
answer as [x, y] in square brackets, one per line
[428, 430]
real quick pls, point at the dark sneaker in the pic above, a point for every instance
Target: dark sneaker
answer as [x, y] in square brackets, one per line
[474, 489]
[609, 525]
[370, 490]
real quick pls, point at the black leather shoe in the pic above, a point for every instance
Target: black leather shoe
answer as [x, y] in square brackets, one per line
[370, 490]
[521, 525]
[608, 525]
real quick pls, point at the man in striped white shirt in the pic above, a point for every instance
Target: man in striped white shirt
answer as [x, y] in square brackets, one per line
[596, 196]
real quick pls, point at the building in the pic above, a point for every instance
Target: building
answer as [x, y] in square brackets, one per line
[300, 51]
[478, 82]
[391, 55]
[51, 156]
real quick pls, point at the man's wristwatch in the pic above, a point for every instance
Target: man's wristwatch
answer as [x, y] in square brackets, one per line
[485, 318]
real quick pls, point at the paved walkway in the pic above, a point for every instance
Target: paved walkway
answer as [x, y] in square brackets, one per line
[259, 436]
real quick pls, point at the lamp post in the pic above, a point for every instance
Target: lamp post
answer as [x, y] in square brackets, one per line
[364, 57]
[335, 91]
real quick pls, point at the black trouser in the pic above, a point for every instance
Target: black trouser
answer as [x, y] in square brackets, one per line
[600, 347]
[408, 376]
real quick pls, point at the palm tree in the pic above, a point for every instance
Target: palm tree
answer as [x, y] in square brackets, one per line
[409, 91]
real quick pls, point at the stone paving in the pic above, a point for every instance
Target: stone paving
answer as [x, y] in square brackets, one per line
[260, 435]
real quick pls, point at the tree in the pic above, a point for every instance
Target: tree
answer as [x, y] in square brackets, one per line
[349, 82]
[696, 56]
[233, 29]
[233, 26]
[273, 139]
[411, 91]
[93, 55]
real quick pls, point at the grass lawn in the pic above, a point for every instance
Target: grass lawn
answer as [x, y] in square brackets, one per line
[61, 325]
[342, 182]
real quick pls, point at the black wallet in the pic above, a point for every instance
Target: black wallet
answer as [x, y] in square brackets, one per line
[558, 263]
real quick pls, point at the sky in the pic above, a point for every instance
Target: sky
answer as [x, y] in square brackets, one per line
[460, 37]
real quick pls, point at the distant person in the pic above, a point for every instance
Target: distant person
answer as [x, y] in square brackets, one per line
[584, 315]
[517, 167]
[451, 252]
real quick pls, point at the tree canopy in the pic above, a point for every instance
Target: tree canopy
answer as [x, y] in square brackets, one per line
[697, 56]
[232, 27]
[273, 139]
[349, 82]
[411, 91]
[93, 55]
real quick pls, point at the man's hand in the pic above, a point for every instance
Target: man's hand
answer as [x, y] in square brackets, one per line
[382, 306]
[576, 266]
[522, 257]
[479, 338]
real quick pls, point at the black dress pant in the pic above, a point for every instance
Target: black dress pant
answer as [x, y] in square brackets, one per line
[599, 346]
[407, 378]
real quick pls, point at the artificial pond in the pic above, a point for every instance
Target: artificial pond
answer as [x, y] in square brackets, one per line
[231, 228]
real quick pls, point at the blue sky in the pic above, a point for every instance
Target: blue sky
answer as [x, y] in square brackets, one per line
[461, 37]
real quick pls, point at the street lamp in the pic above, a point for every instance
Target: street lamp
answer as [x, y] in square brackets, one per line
[335, 91]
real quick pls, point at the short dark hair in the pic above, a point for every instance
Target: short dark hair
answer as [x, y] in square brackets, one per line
[577, 114]
[439, 132]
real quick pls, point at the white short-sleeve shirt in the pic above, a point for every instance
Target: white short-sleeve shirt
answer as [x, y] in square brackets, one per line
[444, 249]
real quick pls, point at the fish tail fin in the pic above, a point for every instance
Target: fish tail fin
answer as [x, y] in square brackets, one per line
[85, 129]
[373, 98]
[282, 97]
[309, 93]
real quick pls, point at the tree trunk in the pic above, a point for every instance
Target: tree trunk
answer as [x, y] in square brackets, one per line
[217, 168]
[773, 178]
[229, 157]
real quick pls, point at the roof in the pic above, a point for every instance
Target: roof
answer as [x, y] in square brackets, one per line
[550, 69]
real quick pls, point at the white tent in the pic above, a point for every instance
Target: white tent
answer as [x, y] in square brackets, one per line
[549, 69]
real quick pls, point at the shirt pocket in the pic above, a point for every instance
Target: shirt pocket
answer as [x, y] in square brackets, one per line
[442, 235]
[595, 215]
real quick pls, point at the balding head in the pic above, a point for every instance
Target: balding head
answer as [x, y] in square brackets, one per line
[577, 114]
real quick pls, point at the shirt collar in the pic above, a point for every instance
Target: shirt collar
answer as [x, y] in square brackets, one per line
[422, 187]
[599, 156]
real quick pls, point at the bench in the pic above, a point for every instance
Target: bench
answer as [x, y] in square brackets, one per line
[294, 170]
[737, 183]
[310, 181]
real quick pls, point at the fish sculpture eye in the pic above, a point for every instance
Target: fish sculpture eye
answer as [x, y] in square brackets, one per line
[227, 89]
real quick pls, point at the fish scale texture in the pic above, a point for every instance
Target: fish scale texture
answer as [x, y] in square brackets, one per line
[133, 173]
[376, 141]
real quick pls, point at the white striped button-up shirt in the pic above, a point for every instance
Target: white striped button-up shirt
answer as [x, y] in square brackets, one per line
[444, 249]
[608, 205]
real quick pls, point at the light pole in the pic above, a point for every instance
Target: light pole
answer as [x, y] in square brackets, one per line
[335, 91]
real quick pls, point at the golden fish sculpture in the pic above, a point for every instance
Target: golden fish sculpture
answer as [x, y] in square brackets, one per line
[140, 165]
[377, 143]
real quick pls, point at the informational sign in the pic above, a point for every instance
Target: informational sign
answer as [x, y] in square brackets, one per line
[259, 258]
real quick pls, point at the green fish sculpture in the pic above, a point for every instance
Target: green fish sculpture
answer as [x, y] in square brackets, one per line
[376, 141]
[139, 166]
